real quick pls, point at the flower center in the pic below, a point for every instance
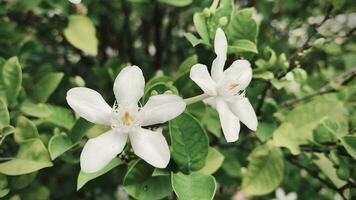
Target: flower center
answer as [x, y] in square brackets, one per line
[125, 118]
[229, 89]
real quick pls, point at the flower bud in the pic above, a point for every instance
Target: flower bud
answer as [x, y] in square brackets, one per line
[223, 21]
[207, 12]
[154, 92]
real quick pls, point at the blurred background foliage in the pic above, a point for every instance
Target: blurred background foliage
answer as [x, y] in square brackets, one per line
[303, 55]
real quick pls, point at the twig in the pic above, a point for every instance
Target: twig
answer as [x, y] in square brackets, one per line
[292, 59]
[342, 79]
[316, 175]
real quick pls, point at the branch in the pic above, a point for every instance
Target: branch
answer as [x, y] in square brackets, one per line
[342, 79]
[292, 59]
[315, 174]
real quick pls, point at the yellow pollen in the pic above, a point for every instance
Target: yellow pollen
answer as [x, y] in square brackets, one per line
[233, 86]
[126, 119]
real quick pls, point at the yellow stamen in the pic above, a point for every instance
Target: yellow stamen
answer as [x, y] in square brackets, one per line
[126, 119]
[233, 86]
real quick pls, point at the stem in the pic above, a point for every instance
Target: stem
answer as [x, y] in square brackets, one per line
[214, 5]
[195, 99]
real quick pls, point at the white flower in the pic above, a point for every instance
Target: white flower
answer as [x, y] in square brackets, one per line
[126, 119]
[226, 89]
[281, 195]
[75, 1]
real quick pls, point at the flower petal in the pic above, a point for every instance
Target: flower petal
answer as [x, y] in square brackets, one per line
[151, 146]
[99, 151]
[129, 86]
[229, 122]
[162, 108]
[244, 111]
[220, 46]
[210, 101]
[240, 70]
[200, 75]
[220, 43]
[90, 105]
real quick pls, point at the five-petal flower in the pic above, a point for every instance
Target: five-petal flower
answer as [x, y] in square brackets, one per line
[226, 89]
[126, 119]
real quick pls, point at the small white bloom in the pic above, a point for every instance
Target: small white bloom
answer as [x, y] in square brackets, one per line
[281, 195]
[226, 89]
[126, 119]
[75, 1]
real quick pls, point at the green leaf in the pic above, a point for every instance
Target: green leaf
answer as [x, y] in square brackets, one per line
[84, 178]
[189, 142]
[58, 144]
[211, 121]
[140, 183]
[4, 115]
[265, 131]
[4, 190]
[6, 131]
[60, 116]
[243, 26]
[46, 86]
[80, 128]
[35, 110]
[12, 78]
[241, 46]
[25, 130]
[195, 186]
[286, 135]
[264, 75]
[328, 168]
[32, 156]
[300, 123]
[349, 142]
[186, 65]
[213, 161]
[19, 182]
[193, 39]
[178, 3]
[80, 32]
[265, 170]
[201, 26]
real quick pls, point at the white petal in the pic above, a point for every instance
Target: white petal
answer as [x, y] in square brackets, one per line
[200, 75]
[292, 196]
[229, 122]
[129, 85]
[220, 45]
[90, 105]
[240, 70]
[75, 1]
[210, 101]
[280, 194]
[245, 112]
[99, 151]
[151, 146]
[162, 108]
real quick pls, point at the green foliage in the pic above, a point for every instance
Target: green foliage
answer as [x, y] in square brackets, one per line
[141, 184]
[84, 178]
[194, 186]
[81, 34]
[265, 170]
[189, 143]
[302, 54]
[46, 86]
